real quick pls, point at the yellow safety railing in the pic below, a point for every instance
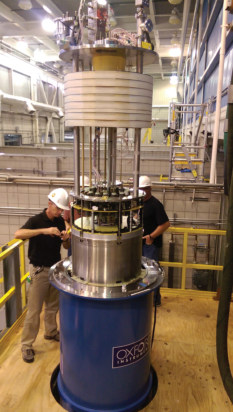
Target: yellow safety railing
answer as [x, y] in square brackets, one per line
[184, 265]
[11, 246]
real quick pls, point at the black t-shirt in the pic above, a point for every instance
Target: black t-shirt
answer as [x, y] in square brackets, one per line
[44, 250]
[154, 215]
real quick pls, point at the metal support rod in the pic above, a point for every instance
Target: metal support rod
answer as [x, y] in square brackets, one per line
[205, 139]
[105, 152]
[114, 155]
[186, 10]
[121, 161]
[76, 161]
[197, 67]
[137, 144]
[199, 126]
[187, 111]
[140, 17]
[189, 105]
[98, 154]
[139, 62]
[173, 126]
[219, 94]
[90, 156]
[109, 168]
[82, 134]
[75, 63]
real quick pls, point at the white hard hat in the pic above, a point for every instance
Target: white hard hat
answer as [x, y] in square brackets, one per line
[144, 181]
[86, 181]
[60, 198]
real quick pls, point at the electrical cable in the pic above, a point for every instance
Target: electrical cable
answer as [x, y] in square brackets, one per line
[153, 331]
[227, 278]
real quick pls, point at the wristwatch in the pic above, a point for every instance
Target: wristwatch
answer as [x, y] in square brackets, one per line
[151, 238]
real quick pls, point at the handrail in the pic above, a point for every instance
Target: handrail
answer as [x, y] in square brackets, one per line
[183, 264]
[11, 246]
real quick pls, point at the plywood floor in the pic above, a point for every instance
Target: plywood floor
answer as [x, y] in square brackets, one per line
[184, 356]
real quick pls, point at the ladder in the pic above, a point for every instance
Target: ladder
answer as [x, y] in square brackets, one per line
[187, 153]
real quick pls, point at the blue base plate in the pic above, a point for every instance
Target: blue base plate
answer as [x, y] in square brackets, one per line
[70, 406]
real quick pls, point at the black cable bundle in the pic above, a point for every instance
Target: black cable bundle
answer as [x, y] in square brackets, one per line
[227, 278]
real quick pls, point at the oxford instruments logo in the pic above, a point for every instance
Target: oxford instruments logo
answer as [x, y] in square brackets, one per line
[128, 354]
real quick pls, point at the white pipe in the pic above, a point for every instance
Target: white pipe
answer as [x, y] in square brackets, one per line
[197, 68]
[30, 105]
[219, 95]
[187, 4]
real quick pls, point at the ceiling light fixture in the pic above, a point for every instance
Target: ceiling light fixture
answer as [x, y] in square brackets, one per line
[102, 2]
[25, 4]
[22, 45]
[175, 52]
[174, 18]
[48, 25]
[39, 56]
[174, 40]
[174, 63]
[174, 79]
[47, 9]
[175, 1]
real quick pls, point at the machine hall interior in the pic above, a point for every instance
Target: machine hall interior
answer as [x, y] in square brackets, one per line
[113, 90]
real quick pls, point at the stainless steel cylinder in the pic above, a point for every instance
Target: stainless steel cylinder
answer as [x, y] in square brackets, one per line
[103, 260]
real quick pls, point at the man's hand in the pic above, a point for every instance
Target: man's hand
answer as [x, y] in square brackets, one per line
[65, 236]
[52, 231]
[148, 240]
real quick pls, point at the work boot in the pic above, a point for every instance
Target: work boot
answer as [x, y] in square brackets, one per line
[54, 337]
[28, 355]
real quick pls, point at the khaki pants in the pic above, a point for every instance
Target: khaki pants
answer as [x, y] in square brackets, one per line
[40, 291]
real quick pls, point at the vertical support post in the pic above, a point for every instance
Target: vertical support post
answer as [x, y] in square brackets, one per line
[173, 126]
[105, 152]
[76, 161]
[185, 248]
[98, 152]
[22, 273]
[137, 145]
[109, 168]
[12, 278]
[90, 156]
[83, 154]
[137, 135]
[197, 68]
[219, 95]
[114, 155]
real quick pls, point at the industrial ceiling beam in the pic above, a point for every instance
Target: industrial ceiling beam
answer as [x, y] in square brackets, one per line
[14, 18]
[156, 33]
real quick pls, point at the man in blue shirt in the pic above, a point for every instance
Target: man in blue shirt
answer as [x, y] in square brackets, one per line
[155, 222]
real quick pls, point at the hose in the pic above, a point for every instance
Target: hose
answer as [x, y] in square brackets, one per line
[227, 278]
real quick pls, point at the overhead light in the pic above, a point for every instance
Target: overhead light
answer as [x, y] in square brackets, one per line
[22, 45]
[102, 2]
[175, 51]
[39, 56]
[48, 25]
[47, 9]
[57, 65]
[175, 1]
[25, 4]
[174, 39]
[174, 79]
[174, 18]
[174, 63]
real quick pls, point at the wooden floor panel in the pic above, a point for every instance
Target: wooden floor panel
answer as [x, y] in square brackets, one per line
[183, 355]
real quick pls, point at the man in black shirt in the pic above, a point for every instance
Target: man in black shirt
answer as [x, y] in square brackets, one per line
[155, 222]
[46, 232]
